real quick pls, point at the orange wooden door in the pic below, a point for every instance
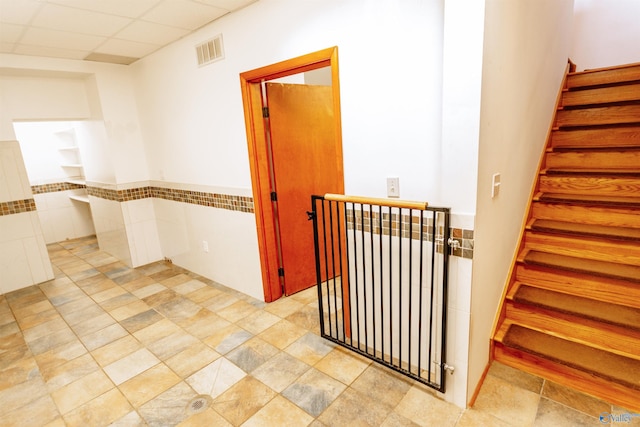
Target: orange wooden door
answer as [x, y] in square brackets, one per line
[305, 162]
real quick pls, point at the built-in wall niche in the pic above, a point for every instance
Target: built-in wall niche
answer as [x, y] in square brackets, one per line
[52, 155]
[71, 161]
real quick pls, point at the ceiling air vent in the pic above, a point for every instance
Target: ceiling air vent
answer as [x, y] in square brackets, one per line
[210, 51]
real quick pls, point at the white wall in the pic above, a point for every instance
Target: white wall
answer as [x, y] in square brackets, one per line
[40, 150]
[390, 76]
[25, 96]
[462, 63]
[526, 47]
[605, 33]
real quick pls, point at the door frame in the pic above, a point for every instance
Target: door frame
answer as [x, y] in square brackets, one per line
[250, 82]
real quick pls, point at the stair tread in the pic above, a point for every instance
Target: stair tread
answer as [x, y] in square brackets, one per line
[633, 171]
[598, 116]
[601, 185]
[593, 161]
[617, 339]
[603, 137]
[580, 380]
[588, 199]
[599, 268]
[602, 95]
[604, 76]
[606, 289]
[604, 216]
[623, 233]
[620, 369]
[584, 307]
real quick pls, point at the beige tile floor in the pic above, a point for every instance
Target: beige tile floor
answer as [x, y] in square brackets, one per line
[104, 344]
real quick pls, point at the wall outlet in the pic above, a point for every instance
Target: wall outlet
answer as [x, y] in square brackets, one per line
[205, 246]
[393, 187]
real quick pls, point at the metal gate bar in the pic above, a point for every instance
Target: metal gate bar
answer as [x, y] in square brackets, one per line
[381, 269]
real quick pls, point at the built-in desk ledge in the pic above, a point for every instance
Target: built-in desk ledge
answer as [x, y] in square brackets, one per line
[78, 181]
[74, 165]
[79, 198]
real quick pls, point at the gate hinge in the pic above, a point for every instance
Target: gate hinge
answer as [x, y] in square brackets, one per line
[274, 196]
[311, 215]
[281, 272]
[265, 112]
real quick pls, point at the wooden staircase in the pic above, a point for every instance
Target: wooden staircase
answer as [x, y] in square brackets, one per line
[571, 308]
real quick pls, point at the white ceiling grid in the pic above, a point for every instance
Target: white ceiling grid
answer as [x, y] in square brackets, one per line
[119, 31]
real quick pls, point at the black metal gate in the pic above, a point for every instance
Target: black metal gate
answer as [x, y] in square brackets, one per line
[381, 270]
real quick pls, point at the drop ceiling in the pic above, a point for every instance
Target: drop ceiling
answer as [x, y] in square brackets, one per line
[117, 31]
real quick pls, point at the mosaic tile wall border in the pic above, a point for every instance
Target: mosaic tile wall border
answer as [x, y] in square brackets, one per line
[17, 206]
[55, 187]
[464, 237]
[222, 201]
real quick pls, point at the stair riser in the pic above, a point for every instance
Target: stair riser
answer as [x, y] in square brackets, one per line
[629, 92]
[585, 382]
[595, 249]
[616, 160]
[617, 75]
[605, 137]
[592, 186]
[586, 215]
[602, 336]
[597, 288]
[598, 116]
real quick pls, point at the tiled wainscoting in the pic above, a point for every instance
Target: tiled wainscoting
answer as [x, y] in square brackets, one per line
[409, 225]
[23, 255]
[61, 216]
[146, 221]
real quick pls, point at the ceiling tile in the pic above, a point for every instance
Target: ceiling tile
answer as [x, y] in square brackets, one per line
[185, 14]
[149, 32]
[50, 51]
[6, 47]
[10, 33]
[18, 12]
[110, 28]
[126, 48]
[127, 8]
[227, 4]
[78, 21]
[61, 39]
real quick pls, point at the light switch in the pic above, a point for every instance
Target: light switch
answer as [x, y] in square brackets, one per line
[393, 187]
[495, 185]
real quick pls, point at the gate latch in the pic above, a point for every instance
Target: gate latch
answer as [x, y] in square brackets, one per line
[310, 215]
[446, 367]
